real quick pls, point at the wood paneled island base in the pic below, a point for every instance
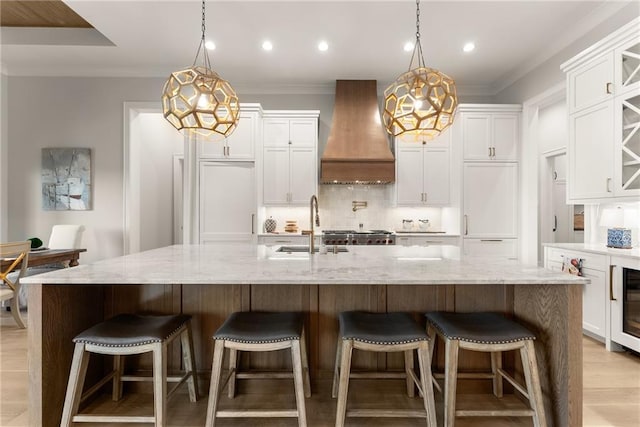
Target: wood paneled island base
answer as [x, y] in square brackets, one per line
[549, 304]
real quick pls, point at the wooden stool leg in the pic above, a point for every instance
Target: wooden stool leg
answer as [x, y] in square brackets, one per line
[214, 388]
[233, 367]
[305, 365]
[296, 361]
[336, 370]
[450, 381]
[496, 363]
[530, 368]
[424, 361]
[186, 340]
[160, 384]
[118, 369]
[76, 383]
[408, 367]
[343, 389]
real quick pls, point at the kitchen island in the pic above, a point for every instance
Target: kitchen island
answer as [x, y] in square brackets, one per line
[211, 281]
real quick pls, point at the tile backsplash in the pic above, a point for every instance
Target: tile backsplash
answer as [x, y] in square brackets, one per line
[336, 211]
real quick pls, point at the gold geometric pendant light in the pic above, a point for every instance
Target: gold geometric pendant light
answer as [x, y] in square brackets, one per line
[199, 100]
[421, 102]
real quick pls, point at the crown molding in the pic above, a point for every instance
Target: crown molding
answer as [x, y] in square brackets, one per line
[600, 14]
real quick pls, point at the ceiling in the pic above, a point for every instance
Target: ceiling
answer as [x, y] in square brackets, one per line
[366, 38]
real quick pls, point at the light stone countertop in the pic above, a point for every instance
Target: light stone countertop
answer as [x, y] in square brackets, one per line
[596, 248]
[259, 264]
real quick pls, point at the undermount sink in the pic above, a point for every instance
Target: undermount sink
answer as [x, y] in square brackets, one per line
[302, 248]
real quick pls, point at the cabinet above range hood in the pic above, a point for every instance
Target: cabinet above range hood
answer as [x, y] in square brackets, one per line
[357, 150]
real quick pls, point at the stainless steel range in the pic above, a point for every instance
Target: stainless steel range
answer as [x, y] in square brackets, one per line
[352, 237]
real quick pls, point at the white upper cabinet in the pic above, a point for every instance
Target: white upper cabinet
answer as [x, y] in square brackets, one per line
[591, 152]
[603, 93]
[290, 157]
[423, 171]
[591, 84]
[279, 132]
[490, 135]
[240, 145]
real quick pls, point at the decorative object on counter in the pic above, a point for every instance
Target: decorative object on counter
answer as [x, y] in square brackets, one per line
[357, 205]
[35, 242]
[270, 225]
[291, 226]
[198, 99]
[421, 101]
[407, 224]
[618, 236]
[572, 265]
[424, 224]
[66, 179]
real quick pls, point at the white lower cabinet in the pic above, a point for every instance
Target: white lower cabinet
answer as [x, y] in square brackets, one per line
[495, 248]
[227, 202]
[594, 294]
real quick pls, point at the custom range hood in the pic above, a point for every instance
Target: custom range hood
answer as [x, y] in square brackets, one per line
[357, 150]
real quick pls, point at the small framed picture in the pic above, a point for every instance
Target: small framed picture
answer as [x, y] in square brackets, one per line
[572, 265]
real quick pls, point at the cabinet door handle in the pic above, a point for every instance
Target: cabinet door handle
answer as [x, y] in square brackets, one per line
[253, 220]
[466, 225]
[608, 185]
[491, 240]
[555, 223]
[493, 151]
[555, 175]
[611, 297]
[609, 88]
[489, 151]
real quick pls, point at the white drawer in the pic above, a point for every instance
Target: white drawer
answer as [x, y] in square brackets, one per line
[589, 260]
[427, 240]
[283, 240]
[499, 248]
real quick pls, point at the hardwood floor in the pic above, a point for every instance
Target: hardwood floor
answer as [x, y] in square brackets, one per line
[611, 394]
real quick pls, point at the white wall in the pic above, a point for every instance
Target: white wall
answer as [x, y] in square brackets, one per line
[71, 112]
[549, 74]
[552, 127]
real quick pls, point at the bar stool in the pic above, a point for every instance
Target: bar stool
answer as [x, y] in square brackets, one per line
[486, 332]
[259, 331]
[383, 332]
[127, 334]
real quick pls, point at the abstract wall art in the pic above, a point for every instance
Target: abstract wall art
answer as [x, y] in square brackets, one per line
[66, 179]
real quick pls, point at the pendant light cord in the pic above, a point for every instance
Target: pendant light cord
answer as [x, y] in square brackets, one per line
[418, 46]
[206, 62]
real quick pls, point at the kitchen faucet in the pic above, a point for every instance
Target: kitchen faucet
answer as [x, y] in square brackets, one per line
[312, 235]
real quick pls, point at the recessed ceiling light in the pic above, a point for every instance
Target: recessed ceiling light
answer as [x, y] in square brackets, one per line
[408, 47]
[468, 47]
[323, 46]
[210, 45]
[267, 45]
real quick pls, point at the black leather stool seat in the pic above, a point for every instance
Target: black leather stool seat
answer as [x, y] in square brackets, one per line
[127, 330]
[261, 327]
[482, 328]
[380, 328]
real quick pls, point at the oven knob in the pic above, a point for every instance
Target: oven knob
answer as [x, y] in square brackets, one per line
[378, 242]
[354, 242]
[369, 242]
[390, 242]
